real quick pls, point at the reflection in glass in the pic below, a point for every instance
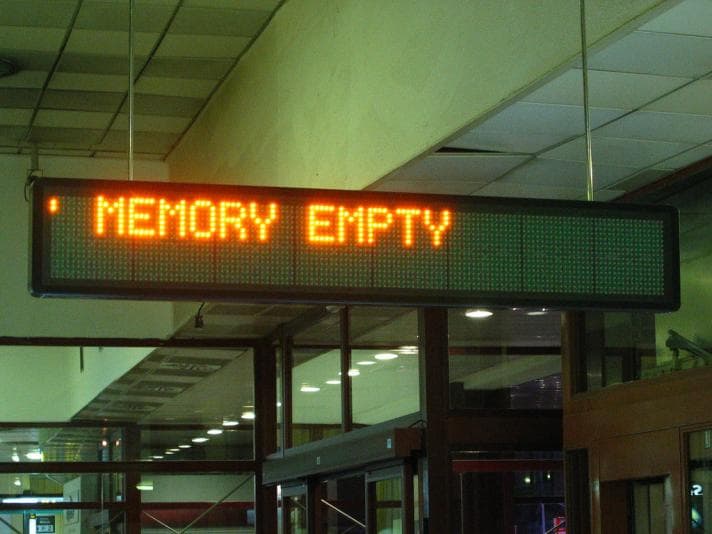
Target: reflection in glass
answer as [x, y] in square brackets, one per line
[700, 475]
[509, 360]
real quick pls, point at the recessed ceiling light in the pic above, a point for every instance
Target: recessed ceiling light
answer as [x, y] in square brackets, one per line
[537, 312]
[386, 356]
[17, 482]
[230, 422]
[354, 372]
[145, 485]
[215, 431]
[157, 457]
[34, 455]
[174, 450]
[478, 314]
[333, 382]
[408, 349]
[248, 415]
[366, 362]
[199, 440]
[184, 446]
[15, 457]
[309, 389]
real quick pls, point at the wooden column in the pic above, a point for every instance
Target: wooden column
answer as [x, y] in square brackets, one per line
[265, 434]
[434, 405]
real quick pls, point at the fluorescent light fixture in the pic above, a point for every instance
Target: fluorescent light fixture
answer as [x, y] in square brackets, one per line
[34, 455]
[366, 362]
[537, 312]
[354, 372]
[230, 422]
[199, 440]
[145, 485]
[184, 446]
[15, 457]
[18, 482]
[174, 450]
[408, 349]
[169, 453]
[215, 431]
[248, 415]
[334, 382]
[32, 500]
[309, 389]
[385, 356]
[157, 457]
[478, 314]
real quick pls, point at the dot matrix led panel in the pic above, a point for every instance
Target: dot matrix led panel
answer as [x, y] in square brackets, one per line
[188, 241]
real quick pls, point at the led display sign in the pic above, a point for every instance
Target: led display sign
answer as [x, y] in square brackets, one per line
[188, 241]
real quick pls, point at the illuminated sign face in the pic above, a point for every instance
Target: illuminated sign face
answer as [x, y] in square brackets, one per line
[183, 241]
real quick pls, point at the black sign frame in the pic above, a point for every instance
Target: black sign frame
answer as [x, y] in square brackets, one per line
[41, 287]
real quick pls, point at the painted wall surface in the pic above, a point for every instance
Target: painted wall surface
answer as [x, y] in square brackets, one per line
[24, 315]
[198, 488]
[33, 383]
[339, 94]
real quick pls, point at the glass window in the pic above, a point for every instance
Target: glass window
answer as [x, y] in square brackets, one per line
[316, 381]
[700, 475]
[504, 359]
[384, 363]
[61, 444]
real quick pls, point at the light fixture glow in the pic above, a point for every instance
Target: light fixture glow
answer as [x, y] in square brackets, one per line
[15, 457]
[408, 349]
[385, 356]
[157, 457]
[354, 372]
[169, 453]
[478, 314]
[230, 422]
[34, 455]
[537, 312]
[333, 382]
[199, 440]
[527, 479]
[248, 415]
[145, 485]
[17, 482]
[174, 450]
[309, 389]
[366, 362]
[215, 431]
[184, 446]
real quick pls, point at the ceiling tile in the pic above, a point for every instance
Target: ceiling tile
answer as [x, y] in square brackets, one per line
[658, 126]
[18, 98]
[30, 60]
[55, 14]
[605, 195]
[199, 46]
[153, 142]
[96, 64]
[641, 179]
[169, 106]
[52, 118]
[153, 85]
[468, 167]
[65, 137]
[204, 21]
[507, 141]
[152, 123]
[501, 189]
[81, 100]
[65, 152]
[114, 16]
[567, 174]
[691, 17]
[203, 69]
[548, 119]
[619, 152]
[432, 187]
[695, 98]
[686, 158]
[31, 79]
[27, 38]
[113, 83]
[110, 43]
[12, 134]
[123, 155]
[656, 53]
[15, 116]
[264, 5]
[622, 90]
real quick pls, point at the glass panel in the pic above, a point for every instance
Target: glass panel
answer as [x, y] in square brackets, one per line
[67, 521]
[279, 359]
[344, 505]
[208, 502]
[316, 391]
[389, 506]
[296, 510]
[700, 474]
[504, 359]
[384, 363]
[61, 487]
[61, 444]
[187, 443]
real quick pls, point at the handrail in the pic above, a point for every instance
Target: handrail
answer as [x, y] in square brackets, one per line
[552, 529]
[676, 341]
[347, 516]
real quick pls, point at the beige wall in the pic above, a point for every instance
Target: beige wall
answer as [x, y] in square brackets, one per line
[339, 94]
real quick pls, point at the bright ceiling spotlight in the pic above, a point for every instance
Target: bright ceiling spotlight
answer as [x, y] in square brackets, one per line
[230, 422]
[334, 382]
[215, 431]
[199, 440]
[157, 457]
[309, 389]
[17, 482]
[184, 446]
[248, 415]
[34, 455]
[366, 362]
[478, 314]
[537, 312]
[354, 372]
[385, 356]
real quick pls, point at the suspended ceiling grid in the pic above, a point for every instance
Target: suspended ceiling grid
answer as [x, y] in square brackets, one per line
[70, 94]
[651, 114]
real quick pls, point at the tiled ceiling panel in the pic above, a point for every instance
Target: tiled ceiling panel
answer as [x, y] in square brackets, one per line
[695, 98]
[558, 173]
[70, 93]
[691, 17]
[679, 127]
